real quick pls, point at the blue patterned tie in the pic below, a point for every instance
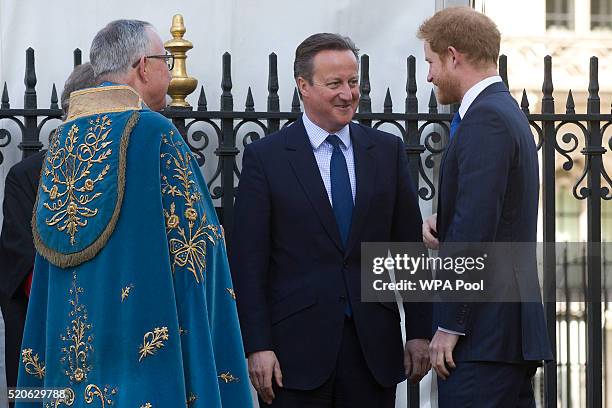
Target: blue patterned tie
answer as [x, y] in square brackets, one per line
[342, 200]
[454, 124]
[342, 195]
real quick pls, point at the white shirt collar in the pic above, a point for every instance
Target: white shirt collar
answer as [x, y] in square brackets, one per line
[474, 91]
[317, 135]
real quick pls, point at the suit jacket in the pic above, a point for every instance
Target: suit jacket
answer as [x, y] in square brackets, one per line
[489, 186]
[16, 244]
[288, 262]
[17, 254]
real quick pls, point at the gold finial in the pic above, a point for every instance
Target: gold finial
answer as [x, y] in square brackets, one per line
[181, 85]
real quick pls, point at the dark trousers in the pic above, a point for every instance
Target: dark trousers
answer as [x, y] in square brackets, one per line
[484, 385]
[14, 312]
[351, 384]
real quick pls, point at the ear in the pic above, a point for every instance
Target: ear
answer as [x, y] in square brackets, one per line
[141, 70]
[455, 57]
[302, 86]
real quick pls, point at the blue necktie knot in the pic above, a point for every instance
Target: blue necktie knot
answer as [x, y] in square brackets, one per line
[334, 141]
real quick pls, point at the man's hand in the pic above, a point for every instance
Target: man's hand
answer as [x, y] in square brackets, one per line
[441, 352]
[262, 366]
[416, 359]
[430, 234]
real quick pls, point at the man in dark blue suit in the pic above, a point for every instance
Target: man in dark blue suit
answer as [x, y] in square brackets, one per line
[309, 195]
[485, 353]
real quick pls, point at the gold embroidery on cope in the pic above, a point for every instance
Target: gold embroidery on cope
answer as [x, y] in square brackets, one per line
[191, 399]
[152, 341]
[147, 405]
[32, 365]
[231, 292]
[125, 292]
[65, 260]
[94, 393]
[69, 167]
[228, 377]
[172, 220]
[67, 399]
[77, 338]
[187, 243]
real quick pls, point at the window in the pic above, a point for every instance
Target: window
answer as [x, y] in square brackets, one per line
[568, 216]
[560, 14]
[601, 14]
[606, 221]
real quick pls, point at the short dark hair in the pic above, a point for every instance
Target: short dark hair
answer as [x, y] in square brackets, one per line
[306, 51]
[82, 77]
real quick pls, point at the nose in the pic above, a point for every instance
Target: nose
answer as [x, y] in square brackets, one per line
[429, 76]
[345, 92]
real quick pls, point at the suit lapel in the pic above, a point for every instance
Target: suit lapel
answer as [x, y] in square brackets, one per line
[365, 174]
[491, 89]
[302, 160]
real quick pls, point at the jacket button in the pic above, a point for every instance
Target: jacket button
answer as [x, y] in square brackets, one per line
[342, 298]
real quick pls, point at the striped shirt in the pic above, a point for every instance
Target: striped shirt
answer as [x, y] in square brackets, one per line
[323, 152]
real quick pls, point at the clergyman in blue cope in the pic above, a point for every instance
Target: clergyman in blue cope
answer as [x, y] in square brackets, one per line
[132, 303]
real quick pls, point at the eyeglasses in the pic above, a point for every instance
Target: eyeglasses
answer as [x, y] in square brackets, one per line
[169, 58]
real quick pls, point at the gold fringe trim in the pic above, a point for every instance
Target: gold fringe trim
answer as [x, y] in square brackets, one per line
[77, 258]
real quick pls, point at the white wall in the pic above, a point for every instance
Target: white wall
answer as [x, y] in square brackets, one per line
[250, 30]
[518, 18]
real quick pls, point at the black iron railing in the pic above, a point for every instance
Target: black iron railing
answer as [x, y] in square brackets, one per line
[425, 135]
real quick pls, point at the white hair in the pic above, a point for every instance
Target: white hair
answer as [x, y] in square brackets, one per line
[117, 46]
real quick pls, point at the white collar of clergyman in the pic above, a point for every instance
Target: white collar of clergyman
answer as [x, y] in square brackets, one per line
[474, 91]
[317, 135]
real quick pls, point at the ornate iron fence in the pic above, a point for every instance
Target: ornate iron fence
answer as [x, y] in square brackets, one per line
[425, 135]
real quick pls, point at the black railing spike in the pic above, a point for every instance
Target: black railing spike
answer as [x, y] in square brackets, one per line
[548, 102]
[365, 103]
[77, 55]
[412, 103]
[388, 105]
[570, 107]
[503, 69]
[593, 99]
[273, 99]
[525, 102]
[202, 103]
[249, 106]
[227, 100]
[5, 104]
[54, 98]
[433, 102]
[295, 102]
[29, 98]
[547, 86]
